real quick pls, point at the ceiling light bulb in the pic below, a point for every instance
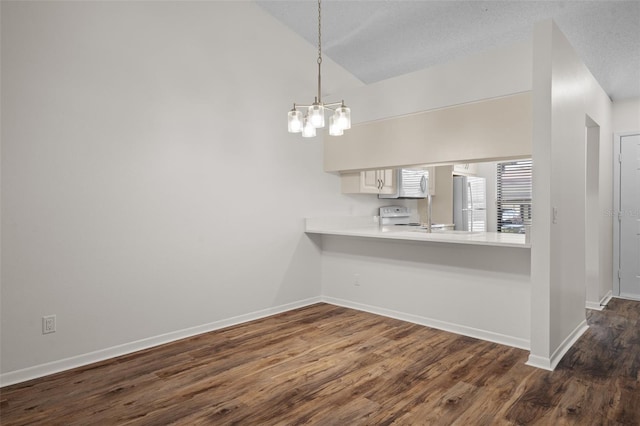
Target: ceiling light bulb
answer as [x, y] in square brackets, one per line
[316, 115]
[343, 117]
[295, 121]
[309, 130]
[334, 129]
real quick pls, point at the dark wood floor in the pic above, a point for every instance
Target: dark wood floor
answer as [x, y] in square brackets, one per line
[334, 366]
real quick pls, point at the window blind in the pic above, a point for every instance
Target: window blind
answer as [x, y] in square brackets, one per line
[514, 187]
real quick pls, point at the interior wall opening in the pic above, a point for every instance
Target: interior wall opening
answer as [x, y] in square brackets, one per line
[591, 211]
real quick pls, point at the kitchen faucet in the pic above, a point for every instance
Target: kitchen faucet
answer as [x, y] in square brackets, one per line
[424, 210]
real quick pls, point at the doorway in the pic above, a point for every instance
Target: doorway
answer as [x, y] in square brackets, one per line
[627, 216]
[594, 299]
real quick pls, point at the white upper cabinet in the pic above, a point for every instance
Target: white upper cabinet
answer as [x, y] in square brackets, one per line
[369, 182]
[377, 182]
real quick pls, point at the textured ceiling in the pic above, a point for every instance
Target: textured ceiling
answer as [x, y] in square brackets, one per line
[376, 40]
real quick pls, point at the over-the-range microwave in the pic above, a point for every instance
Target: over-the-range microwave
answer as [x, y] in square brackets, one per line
[411, 183]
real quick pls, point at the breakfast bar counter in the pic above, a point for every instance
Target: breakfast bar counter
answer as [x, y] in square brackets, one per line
[368, 227]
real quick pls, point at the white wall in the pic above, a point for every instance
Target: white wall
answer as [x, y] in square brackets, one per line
[565, 95]
[598, 108]
[485, 75]
[478, 291]
[626, 115]
[150, 189]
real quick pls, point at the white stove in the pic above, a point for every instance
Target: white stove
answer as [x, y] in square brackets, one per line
[396, 215]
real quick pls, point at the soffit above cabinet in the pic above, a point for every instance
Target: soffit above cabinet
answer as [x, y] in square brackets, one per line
[480, 131]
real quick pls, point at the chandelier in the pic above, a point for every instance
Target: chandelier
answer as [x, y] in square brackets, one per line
[339, 121]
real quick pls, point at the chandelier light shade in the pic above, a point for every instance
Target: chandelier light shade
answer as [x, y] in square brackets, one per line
[334, 129]
[316, 114]
[295, 121]
[309, 130]
[314, 118]
[342, 117]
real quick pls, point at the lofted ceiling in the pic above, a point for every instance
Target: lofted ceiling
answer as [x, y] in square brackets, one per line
[376, 40]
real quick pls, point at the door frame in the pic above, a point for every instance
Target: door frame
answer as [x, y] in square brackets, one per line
[593, 240]
[615, 211]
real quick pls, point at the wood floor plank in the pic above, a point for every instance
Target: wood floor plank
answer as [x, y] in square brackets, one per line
[329, 365]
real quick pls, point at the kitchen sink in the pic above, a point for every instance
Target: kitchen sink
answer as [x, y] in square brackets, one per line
[453, 231]
[445, 231]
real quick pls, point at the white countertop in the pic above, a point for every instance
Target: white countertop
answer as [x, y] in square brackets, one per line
[367, 227]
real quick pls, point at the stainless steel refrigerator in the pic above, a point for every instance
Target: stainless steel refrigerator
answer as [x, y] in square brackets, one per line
[469, 203]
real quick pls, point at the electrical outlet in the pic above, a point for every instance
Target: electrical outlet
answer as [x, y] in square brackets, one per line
[356, 280]
[49, 324]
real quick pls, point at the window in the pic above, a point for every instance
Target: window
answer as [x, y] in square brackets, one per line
[514, 196]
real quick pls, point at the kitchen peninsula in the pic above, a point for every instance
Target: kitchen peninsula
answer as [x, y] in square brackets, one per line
[368, 227]
[474, 284]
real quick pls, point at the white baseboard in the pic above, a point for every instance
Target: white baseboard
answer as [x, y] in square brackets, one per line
[628, 296]
[606, 299]
[433, 323]
[599, 306]
[596, 306]
[41, 370]
[539, 362]
[552, 362]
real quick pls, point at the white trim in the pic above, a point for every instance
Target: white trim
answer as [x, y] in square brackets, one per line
[604, 301]
[539, 362]
[13, 377]
[490, 336]
[614, 208]
[627, 296]
[594, 306]
[552, 362]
